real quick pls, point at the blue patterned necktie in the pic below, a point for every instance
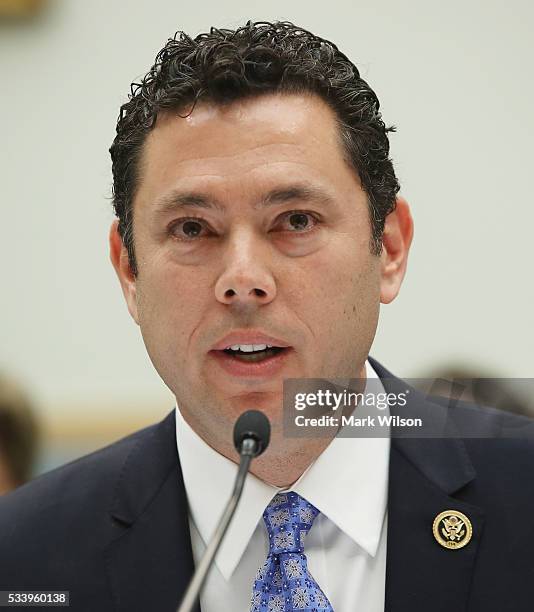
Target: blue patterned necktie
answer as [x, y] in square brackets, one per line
[283, 583]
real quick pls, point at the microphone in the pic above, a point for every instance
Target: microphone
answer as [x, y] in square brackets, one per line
[252, 432]
[252, 425]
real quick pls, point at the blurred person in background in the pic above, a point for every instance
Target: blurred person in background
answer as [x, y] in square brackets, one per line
[19, 436]
[457, 381]
[458, 385]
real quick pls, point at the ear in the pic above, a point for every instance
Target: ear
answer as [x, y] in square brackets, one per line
[396, 241]
[119, 258]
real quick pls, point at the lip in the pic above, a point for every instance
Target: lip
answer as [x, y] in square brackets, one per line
[248, 337]
[266, 368]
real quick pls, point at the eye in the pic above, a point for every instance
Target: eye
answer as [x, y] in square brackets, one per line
[187, 229]
[190, 228]
[299, 221]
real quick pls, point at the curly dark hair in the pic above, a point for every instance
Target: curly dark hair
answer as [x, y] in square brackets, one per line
[224, 65]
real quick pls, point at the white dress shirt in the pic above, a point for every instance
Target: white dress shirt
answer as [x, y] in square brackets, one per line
[346, 546]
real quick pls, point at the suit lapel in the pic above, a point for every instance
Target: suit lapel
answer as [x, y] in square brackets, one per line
[149, 560]
[424, 475]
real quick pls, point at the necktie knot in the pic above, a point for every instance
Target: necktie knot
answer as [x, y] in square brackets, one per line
[288, 519]
[284, 583]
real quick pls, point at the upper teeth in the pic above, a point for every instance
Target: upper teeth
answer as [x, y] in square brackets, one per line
[249, 348]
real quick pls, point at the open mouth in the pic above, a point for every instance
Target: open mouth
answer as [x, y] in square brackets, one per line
[254, 355]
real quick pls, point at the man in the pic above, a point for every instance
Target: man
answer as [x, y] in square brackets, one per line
[258, 231]
[19, 436]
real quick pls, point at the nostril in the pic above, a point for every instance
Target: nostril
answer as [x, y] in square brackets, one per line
[257, 292]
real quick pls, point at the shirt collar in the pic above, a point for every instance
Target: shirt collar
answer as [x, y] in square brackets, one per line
[347, 483]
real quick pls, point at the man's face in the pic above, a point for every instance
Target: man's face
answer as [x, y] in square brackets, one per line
[248, 219]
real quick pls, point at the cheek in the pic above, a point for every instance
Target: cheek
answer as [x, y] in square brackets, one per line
[340, 280]
[170, 307]
[340, 297]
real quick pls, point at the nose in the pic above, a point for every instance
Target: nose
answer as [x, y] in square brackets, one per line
[246, 279]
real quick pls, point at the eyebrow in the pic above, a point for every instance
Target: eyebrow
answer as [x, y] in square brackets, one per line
[176, 200]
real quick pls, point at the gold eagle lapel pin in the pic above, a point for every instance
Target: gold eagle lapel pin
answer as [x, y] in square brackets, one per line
[452, 529]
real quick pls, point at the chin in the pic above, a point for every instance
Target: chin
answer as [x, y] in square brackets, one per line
[271, 404]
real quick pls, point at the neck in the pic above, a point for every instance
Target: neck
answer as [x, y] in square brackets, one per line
[283, 464]
[286, 458]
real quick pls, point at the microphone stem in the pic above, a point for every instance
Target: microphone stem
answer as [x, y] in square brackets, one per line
[248, 451]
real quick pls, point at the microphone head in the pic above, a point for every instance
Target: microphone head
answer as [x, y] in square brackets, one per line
[252, 424]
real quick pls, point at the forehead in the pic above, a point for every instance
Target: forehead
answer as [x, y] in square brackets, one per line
[243, 145]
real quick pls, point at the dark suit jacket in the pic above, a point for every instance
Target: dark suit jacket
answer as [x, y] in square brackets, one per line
[112, 527]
